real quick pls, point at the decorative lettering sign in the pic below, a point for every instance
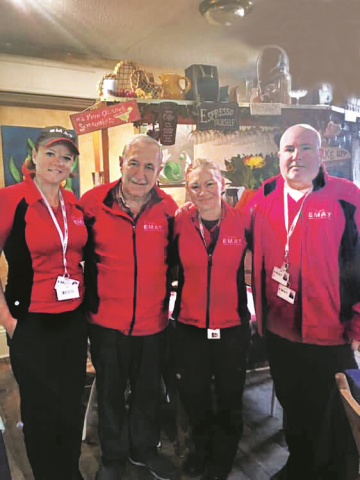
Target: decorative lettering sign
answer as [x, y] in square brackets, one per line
[218, 116]
[265, 108]
[168, 117]
[331, 154]
[118, 114]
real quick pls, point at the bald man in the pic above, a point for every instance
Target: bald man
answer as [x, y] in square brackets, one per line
[306, 271]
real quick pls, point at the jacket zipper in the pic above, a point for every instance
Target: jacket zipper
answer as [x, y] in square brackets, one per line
[300, 286]
[135, 281]
[208, 290]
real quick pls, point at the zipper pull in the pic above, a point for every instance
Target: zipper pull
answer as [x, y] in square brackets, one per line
[210, 259]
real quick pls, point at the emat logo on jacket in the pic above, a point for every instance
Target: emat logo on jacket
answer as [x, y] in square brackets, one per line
[319, 214]
[233, 241]
[79, 221]
[153, 227]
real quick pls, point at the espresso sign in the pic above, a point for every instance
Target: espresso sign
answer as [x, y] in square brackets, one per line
[92, 120]
[218, 116]
[168, 115]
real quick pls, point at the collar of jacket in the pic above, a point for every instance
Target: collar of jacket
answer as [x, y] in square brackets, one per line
[193, 211]
[33, 195]
[277, 182]
[156, 194]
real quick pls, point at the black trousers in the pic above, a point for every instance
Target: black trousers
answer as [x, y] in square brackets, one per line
[48, 356]
[118, 358]
[304, 379]
[216, 428]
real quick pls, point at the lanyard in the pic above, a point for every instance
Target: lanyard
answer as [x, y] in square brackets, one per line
[64, 237]
[202, 231]
[293, 225]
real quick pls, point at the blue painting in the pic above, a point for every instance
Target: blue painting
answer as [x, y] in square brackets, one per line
[17, 145]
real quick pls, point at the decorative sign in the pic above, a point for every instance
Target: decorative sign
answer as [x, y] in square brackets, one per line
[332, 154]
[118, 114]
[218, 116]
[167, 118]
[265, 108]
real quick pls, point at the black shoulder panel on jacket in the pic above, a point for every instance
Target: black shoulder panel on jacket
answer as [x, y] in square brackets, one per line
[79, 207]
[109, 199]
[21, 274]
[91, 270]
[269, 187]
[349, 263]
[319, 180]
[242, 308]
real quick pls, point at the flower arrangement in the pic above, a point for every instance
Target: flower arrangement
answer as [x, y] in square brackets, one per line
[250, 170]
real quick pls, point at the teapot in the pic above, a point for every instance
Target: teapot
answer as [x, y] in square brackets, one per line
[170, 83]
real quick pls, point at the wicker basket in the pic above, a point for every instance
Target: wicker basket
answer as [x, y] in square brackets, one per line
[140, 81]
[123, 71]
[121, 75]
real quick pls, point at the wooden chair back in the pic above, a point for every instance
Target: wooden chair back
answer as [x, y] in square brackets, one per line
[352, 408]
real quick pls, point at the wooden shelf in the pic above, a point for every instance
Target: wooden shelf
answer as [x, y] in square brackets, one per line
[152, 101]
[290, 114]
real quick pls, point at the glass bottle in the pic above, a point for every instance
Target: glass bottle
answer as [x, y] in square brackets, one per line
[284, 82]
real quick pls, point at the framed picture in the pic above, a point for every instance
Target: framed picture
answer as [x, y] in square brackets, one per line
[17, 145]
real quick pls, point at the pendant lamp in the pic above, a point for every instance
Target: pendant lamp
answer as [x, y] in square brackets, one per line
[224, 12]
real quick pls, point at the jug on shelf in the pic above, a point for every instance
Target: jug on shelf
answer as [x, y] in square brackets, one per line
[171, 86]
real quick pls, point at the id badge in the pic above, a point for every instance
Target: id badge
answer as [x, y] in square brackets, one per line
[213, 334]
[66, 288]
[281, 276]
[286, 294]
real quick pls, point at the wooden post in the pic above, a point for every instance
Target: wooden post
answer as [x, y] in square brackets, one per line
[96, 144]
[101, 149]
[105, 154]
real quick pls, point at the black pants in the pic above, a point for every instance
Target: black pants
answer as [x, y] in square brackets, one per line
[48, 357]
[304, 378]
[118, 358]
[216, 429]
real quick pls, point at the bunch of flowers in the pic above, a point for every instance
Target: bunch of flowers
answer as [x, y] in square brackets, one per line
[250, 170]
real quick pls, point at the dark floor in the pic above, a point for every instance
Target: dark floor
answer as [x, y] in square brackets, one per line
[261, 453]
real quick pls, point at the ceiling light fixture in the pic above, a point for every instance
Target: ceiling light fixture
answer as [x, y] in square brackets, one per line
[224, 12]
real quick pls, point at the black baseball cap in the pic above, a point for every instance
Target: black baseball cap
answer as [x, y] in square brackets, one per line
[55, 134]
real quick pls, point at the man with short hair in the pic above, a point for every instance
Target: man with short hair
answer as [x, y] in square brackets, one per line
[306, 271]
[129, 223]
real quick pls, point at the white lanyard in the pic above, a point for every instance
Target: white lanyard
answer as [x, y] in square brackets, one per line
[293, 225]
[64, 237]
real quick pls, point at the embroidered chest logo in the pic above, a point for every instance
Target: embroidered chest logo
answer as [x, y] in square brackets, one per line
[153, 227]
[232, 241]
[79, 221]
[319, 214]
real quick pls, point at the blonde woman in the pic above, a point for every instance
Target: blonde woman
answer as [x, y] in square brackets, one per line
[212, 320]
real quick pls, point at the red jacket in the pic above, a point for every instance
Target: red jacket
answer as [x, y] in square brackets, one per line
[324, 261]
[126, 261]
[212, 290]
[33, 249]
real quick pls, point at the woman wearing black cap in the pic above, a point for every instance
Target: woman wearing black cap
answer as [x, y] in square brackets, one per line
[42, 234]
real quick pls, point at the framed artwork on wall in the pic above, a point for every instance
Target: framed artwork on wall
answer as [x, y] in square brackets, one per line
[17, 145]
